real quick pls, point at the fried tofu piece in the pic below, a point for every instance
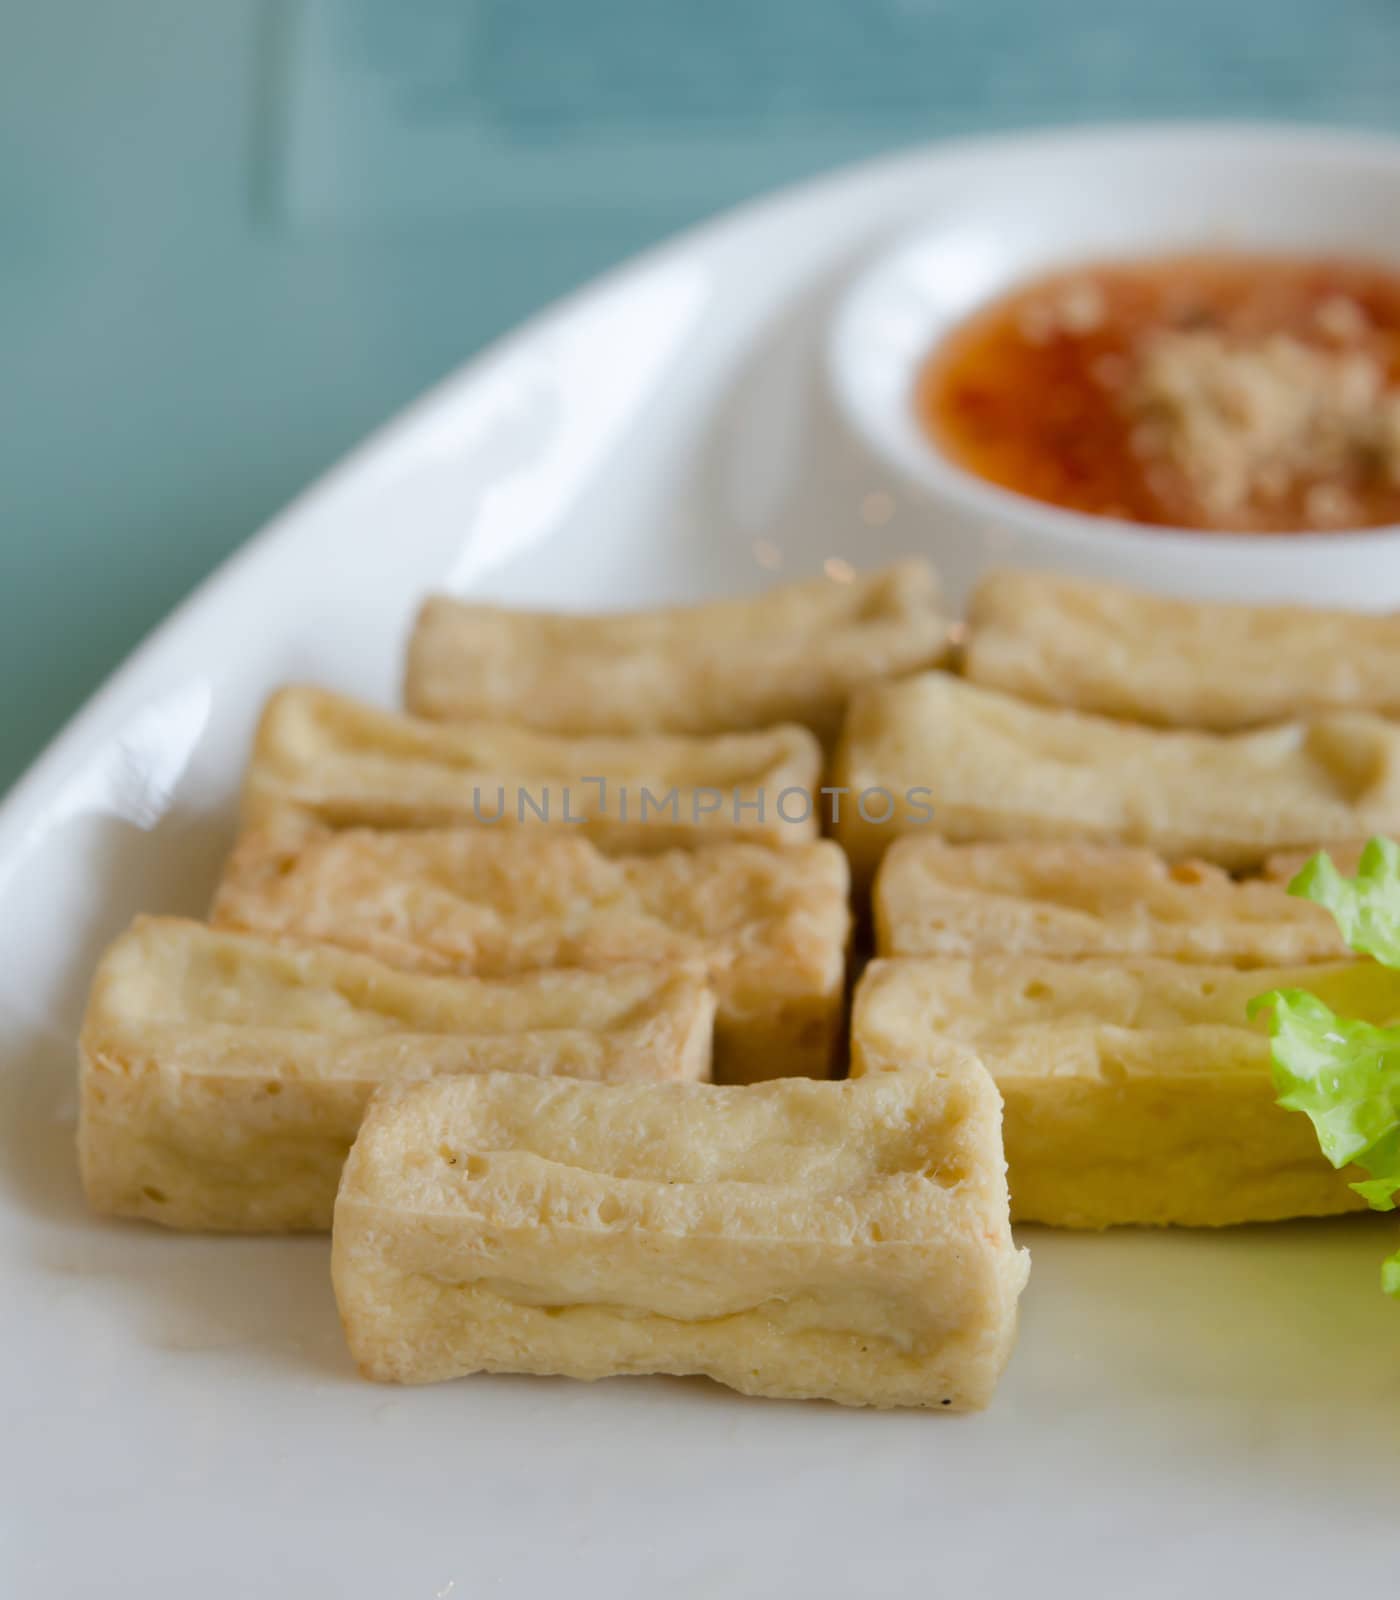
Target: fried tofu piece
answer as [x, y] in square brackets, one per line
[1135, 1091]
[792, 654]
[1074, 900]
[844, 1241]
[945, 756]
[770, 927]
[347, 764]
[1121, 652]
[223, 1078]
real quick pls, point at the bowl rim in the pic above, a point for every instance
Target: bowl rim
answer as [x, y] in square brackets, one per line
[900, 441]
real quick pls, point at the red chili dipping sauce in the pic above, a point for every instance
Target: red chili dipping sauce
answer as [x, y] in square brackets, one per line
[1233, 394]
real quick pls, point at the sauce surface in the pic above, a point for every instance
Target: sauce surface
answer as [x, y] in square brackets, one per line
[1242, 394]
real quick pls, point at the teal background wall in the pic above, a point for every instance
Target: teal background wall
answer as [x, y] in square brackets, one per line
[237, 234]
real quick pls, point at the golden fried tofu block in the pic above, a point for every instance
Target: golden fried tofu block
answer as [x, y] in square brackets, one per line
[1122, 652]
[1135, 1091]
[792, 654]
[939, 755]
[769, 926]
[1073, 900]
[843, 1241]
[223, 1077]
[347, 764]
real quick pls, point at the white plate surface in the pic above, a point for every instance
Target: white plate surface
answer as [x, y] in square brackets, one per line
[1186, 1413]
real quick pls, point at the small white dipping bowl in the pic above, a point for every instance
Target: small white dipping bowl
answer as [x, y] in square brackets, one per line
[1005, 210]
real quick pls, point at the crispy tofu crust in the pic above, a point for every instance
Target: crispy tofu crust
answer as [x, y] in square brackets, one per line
[1135, 1091]
[223, 1078]
[845, 1241]
[1107, 648]
[994, 768]
[792, 654]
[347, 764]
[1074, 900]
[770, 927]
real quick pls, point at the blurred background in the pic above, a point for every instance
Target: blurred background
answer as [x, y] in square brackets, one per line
[236, 235]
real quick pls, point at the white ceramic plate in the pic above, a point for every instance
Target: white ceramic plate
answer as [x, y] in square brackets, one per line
[1198, 1413]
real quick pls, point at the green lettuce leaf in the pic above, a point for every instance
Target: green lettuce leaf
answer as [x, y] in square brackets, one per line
[1366, 907]
[1341, 1073]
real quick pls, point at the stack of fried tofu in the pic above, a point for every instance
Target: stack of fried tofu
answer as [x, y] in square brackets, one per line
[1122, 787]
[558, 958]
